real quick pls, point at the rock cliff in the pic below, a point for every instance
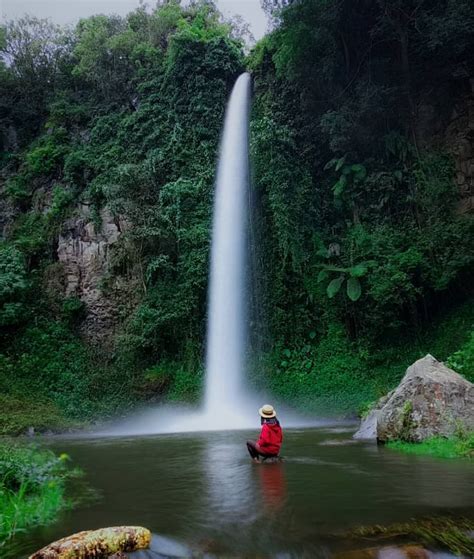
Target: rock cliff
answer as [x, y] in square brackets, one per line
[84, 249]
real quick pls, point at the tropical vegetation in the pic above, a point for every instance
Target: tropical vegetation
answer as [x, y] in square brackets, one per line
[362, 255]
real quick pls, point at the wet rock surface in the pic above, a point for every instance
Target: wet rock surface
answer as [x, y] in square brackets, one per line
[431, 400]
[106, 542]
[84, 249]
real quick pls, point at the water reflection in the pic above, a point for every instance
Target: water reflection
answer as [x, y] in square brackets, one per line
[272, 486]
[230, 492]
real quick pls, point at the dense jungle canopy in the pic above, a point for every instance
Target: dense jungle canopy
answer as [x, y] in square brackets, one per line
[361, 235]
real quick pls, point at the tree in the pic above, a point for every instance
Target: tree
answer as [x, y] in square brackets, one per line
[34, 50]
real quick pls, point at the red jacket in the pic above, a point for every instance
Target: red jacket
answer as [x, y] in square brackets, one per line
[271, 438]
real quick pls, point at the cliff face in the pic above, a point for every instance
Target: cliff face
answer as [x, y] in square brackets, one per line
[459, 141]
[454, 134]
[85, 249]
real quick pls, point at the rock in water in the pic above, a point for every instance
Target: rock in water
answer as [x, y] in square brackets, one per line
[431, 400]
[97, 543]
[271, 460]
[368, 426]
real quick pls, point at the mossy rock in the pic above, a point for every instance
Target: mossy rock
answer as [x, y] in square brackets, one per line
[97, 544]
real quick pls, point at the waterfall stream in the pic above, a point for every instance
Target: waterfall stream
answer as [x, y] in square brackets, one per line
[227, 403]
[226, 326]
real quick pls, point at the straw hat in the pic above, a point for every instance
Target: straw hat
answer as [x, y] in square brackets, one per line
[267, 411]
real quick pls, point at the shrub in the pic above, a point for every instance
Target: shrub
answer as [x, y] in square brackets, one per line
[32, 487]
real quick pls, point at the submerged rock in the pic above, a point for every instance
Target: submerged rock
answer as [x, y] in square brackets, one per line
[431, 400]
[97, 543]
[271, 460]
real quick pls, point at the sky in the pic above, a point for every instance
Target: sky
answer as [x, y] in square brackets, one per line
[70, 11]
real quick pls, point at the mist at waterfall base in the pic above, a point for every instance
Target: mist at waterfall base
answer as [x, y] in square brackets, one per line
[228, 404]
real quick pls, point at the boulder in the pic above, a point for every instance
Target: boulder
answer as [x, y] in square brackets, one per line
[368, 426]
[431, 400]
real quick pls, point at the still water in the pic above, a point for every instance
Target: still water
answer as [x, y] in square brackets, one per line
[200, 494]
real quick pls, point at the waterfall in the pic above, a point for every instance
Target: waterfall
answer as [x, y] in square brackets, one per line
[226, 326]
[227, 404]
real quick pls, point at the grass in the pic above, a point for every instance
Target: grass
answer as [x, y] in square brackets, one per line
[335, 376]
[454, 535]
[18, 414]
[32, 487]
[439, 447]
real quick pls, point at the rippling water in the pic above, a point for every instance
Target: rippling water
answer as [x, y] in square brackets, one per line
[199, 493]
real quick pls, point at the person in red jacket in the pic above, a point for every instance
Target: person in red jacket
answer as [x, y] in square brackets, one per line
[271, 436]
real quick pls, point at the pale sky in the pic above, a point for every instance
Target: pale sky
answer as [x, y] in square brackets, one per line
[70, 11]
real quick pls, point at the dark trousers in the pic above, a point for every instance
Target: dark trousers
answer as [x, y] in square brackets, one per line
[255, 453]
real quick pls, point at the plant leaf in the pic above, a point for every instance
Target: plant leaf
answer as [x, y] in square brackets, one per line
[322, 276]
[354, 289]
[338, 188]
[360, 172]
[334, 286]
[358, 270]
[340, 162]
[330, 164]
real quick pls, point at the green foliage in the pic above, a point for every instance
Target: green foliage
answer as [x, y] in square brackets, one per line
[186, 385]
[13, 285]
[462, 360]
[439, 447]
[374, 229]
[32, 487]
[50, 364]
[19, 413]
[73, 309]
[124, 114]
[325, 374]
[46, 157]
[132, 122]
[329, 374]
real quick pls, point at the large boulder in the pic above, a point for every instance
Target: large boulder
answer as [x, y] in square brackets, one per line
[431, 400]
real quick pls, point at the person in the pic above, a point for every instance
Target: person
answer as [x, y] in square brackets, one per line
[271, 436]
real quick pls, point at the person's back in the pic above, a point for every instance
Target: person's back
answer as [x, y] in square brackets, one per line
[271, 436]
